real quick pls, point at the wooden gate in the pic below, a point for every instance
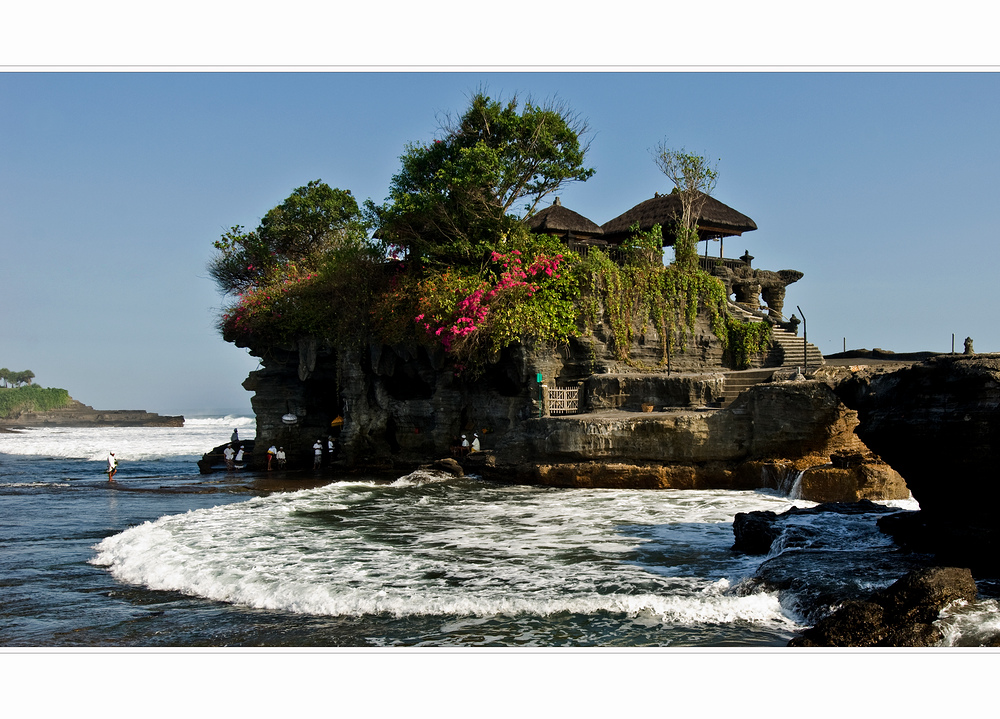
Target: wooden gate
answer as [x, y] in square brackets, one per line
[564, 400]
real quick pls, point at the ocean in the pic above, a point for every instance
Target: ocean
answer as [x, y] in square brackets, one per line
[169, 558]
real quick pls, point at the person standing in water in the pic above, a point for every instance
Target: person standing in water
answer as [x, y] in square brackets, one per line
[112, 466]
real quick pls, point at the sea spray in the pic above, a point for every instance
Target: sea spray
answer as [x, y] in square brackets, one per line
[454, 549]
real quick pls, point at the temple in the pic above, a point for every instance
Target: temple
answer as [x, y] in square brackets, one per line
[754, 293]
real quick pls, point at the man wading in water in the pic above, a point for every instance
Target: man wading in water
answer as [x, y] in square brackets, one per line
[112, 466]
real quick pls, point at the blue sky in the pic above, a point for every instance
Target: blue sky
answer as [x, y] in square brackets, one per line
[879, 186]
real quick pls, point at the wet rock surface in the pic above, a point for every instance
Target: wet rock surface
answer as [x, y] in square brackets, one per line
[898, 616]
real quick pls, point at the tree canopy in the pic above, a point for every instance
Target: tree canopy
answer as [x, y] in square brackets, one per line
[454, 199]
[312, 222]
[16, 379]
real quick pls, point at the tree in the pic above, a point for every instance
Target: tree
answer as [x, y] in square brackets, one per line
[694, 180]
[455, 198]
[312, 222]
[4, 376]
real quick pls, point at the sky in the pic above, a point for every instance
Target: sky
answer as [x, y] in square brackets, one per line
[878, 186]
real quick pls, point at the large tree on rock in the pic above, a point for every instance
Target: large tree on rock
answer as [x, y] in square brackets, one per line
[456, 198]
[312, 222]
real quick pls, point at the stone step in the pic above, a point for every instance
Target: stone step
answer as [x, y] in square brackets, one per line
[739, 382]
[786, 348]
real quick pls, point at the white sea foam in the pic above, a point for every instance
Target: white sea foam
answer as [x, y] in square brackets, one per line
[230, 420]
[443, 549]
[970, 625]
[129, 444]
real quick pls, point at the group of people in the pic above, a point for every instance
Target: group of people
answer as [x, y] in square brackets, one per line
[277, 454]
[467, 447]
[234, 458]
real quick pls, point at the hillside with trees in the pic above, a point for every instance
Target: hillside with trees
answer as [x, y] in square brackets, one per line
[18, 395]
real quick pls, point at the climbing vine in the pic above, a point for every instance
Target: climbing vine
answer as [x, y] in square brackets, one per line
[639, 294]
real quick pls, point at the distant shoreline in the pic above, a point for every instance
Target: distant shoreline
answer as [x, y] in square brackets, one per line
[77, 414]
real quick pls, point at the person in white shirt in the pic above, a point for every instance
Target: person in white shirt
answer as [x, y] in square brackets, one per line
[317, 455]
[228, 453]
[281, 457]
[112, 466]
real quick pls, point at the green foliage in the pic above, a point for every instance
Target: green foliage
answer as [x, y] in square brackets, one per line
[744, 340]
[454, 198]
[31, 399]
[474, 279]
[295, 236]
[333, 300]
[636, 297]
[519, 295]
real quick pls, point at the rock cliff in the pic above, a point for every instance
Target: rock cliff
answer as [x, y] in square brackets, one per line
[938, 423]
[402, 406]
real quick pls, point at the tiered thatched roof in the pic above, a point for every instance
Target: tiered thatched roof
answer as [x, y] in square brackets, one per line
[716, 220]
[558, 220]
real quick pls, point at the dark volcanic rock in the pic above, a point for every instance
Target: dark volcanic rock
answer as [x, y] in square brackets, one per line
[755, 532]
[448, 465]
[899, 616]
[921, 595]
[855, 624]
[938, 424]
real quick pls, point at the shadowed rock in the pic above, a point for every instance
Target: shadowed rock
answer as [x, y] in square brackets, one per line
[899, 616]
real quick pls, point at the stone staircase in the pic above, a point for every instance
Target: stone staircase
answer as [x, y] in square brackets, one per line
[739, 382]
[787, 350]
[792, 352]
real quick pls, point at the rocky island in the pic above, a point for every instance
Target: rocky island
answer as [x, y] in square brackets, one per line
[573, 354]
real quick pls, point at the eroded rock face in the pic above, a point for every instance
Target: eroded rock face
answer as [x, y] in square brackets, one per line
[938, 424]
[403, 407]
[850, 477]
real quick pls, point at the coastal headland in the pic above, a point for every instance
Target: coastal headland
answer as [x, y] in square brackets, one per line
[77, 414]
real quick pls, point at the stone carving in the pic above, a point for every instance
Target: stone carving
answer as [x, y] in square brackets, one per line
[750, 286]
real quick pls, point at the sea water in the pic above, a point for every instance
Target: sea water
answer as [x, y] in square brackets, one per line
[168, 557]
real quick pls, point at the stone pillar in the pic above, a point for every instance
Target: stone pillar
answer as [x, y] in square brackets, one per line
[774, 296]
[747, 292]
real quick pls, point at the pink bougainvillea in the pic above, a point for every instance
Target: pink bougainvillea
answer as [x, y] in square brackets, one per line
[470, 313]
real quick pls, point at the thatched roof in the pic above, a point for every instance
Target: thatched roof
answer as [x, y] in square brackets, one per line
[556, 219]
[717, 219]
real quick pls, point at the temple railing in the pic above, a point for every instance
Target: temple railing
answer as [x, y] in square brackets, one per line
[710, 263]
